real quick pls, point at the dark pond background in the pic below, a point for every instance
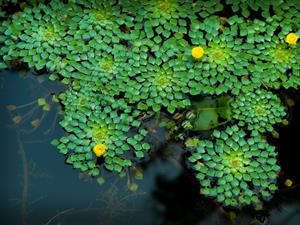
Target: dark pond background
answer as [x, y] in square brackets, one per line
[37, 188]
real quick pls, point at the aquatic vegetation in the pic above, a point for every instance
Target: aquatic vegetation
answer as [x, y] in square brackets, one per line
[96, 120]
[288, 183]
[279, 62]
[6, 5]
[99, 149]
[207, 113]
[161, 17]
[234, 168]
[159, 88]
[197, 52]
[223, 67]
[213, 63]
[292, 38]
[258, 110]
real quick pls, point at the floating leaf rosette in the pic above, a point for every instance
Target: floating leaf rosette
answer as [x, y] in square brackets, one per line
[159, 88]
[101, 19]
[161, 17]
[276, 65]
[3, 51]
[219, 70]
[235, 169]
[259, 110]
[284, 11]
[37, 35]
[92, 119]
[6, 5]
[206, 63]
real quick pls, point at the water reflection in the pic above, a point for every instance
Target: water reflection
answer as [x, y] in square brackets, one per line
[38, 188]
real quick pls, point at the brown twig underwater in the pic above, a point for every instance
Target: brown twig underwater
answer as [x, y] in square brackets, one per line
[20, 115]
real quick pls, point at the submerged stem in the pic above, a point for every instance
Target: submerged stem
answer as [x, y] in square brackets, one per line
[25, 178]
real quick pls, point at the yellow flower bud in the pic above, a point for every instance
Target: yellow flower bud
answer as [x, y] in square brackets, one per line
[99, 149]
[291, 38]
[197, 52]
[285, 122]
[288, 183]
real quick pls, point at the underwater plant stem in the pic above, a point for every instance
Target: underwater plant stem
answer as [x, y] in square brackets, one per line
[25, 177]
[227, 215]
[28, 115]
[210, 108]
[32, 102]
[175, 163]
[129, 176]
[222, 123]
[35, 128]
[289, 188]
[27, 104]
[58, 214]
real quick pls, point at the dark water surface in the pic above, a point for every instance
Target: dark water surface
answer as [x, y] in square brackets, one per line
[37, 188]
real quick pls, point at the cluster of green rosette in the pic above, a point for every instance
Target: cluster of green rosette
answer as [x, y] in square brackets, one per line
[125, 59]
[235, 168]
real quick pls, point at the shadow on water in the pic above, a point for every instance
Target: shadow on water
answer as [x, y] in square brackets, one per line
[37, 188]
[181, 203]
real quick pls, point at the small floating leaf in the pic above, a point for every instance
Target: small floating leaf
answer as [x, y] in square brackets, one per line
[46, 107]
[132, 187]
[11, 108]
[100, 180]
[138, 174]
[35, 123]
[41, 101]
[17, 119]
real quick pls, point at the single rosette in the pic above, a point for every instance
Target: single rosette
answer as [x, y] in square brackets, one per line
[258, 110]
[235, 169]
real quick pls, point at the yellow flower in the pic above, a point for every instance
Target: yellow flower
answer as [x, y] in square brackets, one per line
[99, 149]
[197, 52]
[291, 38]
[288, 183]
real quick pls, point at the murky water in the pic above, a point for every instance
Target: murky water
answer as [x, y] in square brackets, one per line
[37, 188]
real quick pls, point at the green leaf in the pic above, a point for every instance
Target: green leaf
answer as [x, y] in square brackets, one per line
[42, 101]
[139, 154]
[46, 107]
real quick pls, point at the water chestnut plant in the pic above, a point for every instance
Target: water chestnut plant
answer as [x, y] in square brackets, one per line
[212, 66]
[259, 110]
[235, 168]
